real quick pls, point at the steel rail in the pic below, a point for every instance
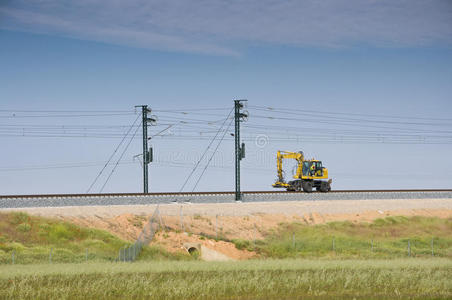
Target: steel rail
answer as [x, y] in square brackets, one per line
[213, 193]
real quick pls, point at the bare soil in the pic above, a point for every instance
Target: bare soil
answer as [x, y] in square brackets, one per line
[206, 229]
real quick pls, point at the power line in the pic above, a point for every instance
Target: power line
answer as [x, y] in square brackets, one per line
[316, 117]
[203, 131]
[336, 123]
[59, 166]
[14, 116]
[332, 138]
[191, 120]
[190, 109]
[117, 163]
[215, 151]
[111, 156]
[66, 111]
[205, 151]
[351, 114]
[269, 127]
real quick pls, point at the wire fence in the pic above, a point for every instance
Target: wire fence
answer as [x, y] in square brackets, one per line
[51, 255]
[130, 253]
[289, 248]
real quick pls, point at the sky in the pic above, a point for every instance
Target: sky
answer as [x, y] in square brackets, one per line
[364, 86]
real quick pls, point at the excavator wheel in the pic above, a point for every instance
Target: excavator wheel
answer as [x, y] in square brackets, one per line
[297, 186]
[307, 186]
[324, 187]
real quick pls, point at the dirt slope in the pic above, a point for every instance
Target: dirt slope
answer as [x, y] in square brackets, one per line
[205, 229]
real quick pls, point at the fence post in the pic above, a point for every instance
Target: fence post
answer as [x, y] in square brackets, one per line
[119, 255]
[432, 248]
[50, 255]
[13, 256]
[216, 226]
[162, 225]
[124, 253]
[409, 248]
[293, 240]
[254, 237]
[86, 254]
[334, 246]
[182, 219]
[372, 245]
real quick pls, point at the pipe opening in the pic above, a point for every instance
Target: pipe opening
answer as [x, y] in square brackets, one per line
[193, 251]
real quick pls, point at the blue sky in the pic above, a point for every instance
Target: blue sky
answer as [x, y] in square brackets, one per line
[350, 79]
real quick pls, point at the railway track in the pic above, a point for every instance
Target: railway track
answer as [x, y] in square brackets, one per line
[55, 200]
[213, 193]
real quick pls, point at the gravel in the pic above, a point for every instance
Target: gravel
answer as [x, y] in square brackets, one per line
[247, 208]
[212, 198]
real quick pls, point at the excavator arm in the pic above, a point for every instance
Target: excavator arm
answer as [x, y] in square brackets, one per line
[280, 155]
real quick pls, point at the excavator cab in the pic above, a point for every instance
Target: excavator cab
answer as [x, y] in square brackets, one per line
[309, 174]
[312, 169]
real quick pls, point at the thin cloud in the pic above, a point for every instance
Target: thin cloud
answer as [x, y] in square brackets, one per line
[224, 27]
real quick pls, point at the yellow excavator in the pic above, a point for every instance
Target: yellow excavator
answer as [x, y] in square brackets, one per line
[310, 174]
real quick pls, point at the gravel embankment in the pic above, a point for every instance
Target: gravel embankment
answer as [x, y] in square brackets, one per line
[246, 208]
[212, 198]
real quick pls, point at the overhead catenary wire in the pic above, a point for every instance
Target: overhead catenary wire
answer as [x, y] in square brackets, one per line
[347, 123]
[14, 116]
[58, 166]
[344, 119]
[213, 154]
[268, 108]
[122, 154]
[65, 111]
[72, 165]
[112, 155]
[345, 129]
[191, 109]
[299, 138]
[305, 137]
[205, 151]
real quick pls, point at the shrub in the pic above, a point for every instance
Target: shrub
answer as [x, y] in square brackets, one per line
[241, 244]
[59, 232]
[25, 227]
[19, 217]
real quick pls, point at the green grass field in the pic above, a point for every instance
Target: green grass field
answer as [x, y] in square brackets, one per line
[253, 279]
[383, 238]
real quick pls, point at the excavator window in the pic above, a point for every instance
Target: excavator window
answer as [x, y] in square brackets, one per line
[306, 168]
[312, 168]
[318, 168]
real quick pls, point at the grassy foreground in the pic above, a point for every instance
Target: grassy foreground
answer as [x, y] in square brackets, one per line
[264, 279]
